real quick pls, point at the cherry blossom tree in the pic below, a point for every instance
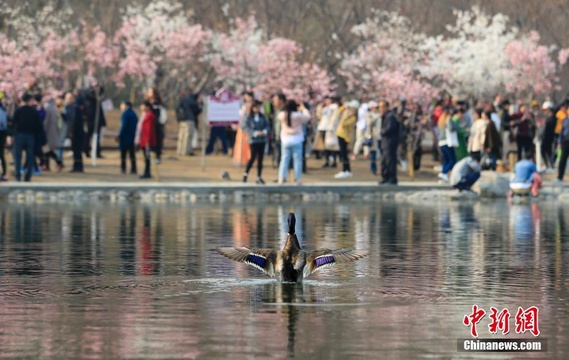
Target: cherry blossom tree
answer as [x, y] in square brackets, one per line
[27, 50]
[534, 69]
[472, 59]
[244, 60]
[389, 63]
[160, 48]
[280, 71]
[235, 56]
[45, 53]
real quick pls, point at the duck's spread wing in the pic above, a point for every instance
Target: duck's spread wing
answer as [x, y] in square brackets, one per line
[262, 259]
[318, 259]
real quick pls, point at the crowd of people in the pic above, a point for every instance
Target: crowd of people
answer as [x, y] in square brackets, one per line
[467, 139]
[42, 127]
[333, 130]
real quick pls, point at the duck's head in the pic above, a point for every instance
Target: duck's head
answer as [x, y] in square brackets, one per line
[292, 240]
[291, 221]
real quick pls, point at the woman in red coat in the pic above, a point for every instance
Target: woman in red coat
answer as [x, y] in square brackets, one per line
[147, 136]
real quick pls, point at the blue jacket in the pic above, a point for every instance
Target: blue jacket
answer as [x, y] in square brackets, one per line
[250, 126]
[129, 121]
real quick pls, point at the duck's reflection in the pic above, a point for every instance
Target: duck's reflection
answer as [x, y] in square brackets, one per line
[287, 297]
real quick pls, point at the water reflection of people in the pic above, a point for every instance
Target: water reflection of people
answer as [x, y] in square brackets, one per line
[25, 229]
[146, 242]
[150, 242]
[127, 236]
[523, 219]
[80, 254]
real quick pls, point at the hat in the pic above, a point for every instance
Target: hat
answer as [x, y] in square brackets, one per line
[372, 104]
[547, 105]
[534, 103]
[354, 104]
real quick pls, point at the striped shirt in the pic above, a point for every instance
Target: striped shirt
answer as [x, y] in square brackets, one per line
[464, 167]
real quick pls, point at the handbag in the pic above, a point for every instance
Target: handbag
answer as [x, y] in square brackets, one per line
[331, 141]
[368, 141]
[485, 162]
[452, 138]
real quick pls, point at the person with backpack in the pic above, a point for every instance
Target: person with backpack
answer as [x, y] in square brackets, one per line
[3, 137]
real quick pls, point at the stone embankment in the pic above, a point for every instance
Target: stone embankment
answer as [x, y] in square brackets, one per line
[490, 186]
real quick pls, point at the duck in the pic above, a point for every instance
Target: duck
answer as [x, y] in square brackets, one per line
[292, 263]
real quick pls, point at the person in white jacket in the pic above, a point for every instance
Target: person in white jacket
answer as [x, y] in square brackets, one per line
[328, 116]
[361, 125]
[477, 134]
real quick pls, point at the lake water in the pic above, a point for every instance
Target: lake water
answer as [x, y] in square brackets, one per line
[140, 281]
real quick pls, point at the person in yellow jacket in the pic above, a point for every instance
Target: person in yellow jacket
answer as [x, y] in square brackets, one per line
[561, 115]
[344, 132]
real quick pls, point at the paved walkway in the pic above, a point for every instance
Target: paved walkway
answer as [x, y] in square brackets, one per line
[183, 171]
[188, 169]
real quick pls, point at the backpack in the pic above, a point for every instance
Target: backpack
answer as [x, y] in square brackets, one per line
[3, 120]
[163, 118]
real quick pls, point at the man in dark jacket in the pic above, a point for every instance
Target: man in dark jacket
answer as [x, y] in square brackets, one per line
[187, 113]
[27, 125]
[548, 136]
[129, 122]
[74, 114]
[93, 97]
[389, 143]
[505, 121]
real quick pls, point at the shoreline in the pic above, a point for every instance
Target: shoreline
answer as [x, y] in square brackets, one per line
[208, 192]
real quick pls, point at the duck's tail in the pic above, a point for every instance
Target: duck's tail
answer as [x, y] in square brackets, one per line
[291, 223]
